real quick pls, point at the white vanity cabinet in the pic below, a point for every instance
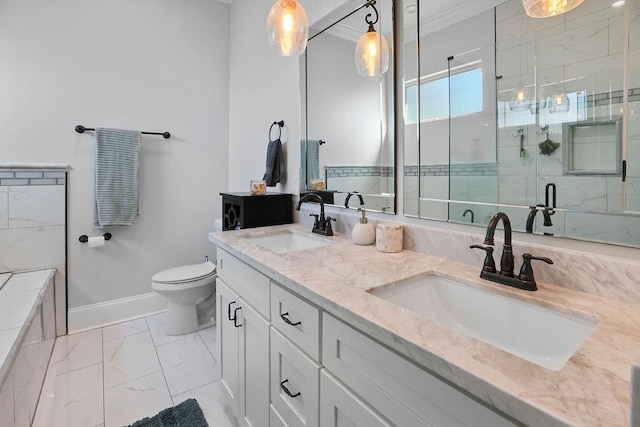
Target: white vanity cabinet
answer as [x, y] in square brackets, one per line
[243, 340]
[340, 407]
[285, 362]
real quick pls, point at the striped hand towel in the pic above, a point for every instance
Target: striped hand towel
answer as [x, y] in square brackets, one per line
[310, 163]
[116, 176]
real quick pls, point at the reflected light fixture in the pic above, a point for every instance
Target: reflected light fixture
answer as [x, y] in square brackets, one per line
[287, 27]
[372, 50]
[538, 105]
[559, 103]
[520, 100]
[549, 8]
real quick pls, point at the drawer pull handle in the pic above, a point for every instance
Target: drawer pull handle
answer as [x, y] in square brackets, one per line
[284, 317]
[286, 390]
[235, 317]
[231, 319]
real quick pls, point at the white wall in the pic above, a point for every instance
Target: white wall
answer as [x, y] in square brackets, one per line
[263, 88]
[343, 106]
[149, 65]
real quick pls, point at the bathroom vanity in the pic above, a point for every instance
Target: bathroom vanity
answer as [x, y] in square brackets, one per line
[305, 341]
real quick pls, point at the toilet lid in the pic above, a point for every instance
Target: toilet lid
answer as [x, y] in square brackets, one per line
[185, 273]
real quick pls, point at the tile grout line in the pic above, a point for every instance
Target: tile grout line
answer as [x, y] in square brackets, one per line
[104, 404]
[214, 359]
[207, 347]
[155, 349]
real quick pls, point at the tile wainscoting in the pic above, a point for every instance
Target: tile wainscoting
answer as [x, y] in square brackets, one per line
[33, 224]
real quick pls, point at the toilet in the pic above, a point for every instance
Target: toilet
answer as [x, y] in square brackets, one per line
[190, 290]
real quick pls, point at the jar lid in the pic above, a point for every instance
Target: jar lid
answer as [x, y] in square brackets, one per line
[389, 226]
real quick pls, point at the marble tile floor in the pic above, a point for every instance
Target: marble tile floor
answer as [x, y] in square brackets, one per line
[113, 376]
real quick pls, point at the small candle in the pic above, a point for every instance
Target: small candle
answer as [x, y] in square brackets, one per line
[258, 187]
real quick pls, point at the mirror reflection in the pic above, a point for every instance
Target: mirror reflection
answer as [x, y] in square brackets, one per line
[528, 116]
[348, 155]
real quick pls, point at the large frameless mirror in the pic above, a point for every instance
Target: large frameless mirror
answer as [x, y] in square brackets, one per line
[348, 153]
[528, 116]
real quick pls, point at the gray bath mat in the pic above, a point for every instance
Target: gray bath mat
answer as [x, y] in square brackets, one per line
[185, 414]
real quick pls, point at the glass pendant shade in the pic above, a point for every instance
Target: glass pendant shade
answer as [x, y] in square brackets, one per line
[559, 103]
[287, 27]
[372, 54]
[548, 8]
[540, 104]
[520, 100]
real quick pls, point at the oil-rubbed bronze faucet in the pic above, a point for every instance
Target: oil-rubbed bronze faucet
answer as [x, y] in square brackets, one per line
[353, 193]
[533, 210]
[505, 276]
[321, 225]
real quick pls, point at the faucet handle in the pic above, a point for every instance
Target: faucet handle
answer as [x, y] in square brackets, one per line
[316, 222]
[489, 264]
[328, 228]
[526, 271]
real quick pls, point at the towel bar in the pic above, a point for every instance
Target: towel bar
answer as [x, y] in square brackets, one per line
[166, 135]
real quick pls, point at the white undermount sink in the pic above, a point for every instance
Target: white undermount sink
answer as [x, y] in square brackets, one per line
[538, 334]
[287, 241]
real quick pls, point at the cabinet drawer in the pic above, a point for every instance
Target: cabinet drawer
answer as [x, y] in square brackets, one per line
[245, 281]
[294, 383]
[296, 319]
[339, 407]
[384, 379]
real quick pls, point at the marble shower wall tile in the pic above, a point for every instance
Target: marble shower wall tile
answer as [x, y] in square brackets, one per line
[36, 205]
[583, 193]
[633, 194]
[34, 247]
[4, 208]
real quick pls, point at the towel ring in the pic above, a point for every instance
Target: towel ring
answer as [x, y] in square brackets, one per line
[280, 125]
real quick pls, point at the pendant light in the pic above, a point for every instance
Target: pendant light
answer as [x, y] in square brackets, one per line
[372, 50]
[548, 8]
[287, 27]
[521, 99]
[559, 103]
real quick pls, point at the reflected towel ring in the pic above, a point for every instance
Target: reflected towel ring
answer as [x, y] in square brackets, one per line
[280, 125]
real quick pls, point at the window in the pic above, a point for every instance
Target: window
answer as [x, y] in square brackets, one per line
[465, 89]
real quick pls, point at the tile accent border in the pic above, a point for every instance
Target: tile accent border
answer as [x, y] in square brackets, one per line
[356, 171]
[466, 169]
[615, 97]
[21, 177]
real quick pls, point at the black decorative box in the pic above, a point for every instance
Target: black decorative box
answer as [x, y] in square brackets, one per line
[242, 210]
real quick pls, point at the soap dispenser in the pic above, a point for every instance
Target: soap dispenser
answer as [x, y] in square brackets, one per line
[363, 233]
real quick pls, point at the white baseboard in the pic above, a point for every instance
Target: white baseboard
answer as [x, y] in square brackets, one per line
[115, 311]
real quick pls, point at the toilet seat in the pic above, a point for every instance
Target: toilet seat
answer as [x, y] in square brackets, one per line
[185, 273]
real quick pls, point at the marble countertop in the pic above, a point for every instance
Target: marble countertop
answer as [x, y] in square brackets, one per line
[592, 388]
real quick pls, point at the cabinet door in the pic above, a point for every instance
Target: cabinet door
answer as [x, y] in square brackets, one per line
[341, 408]
[275, 420]
[254, 367]
[228, 336]
[295, 383]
